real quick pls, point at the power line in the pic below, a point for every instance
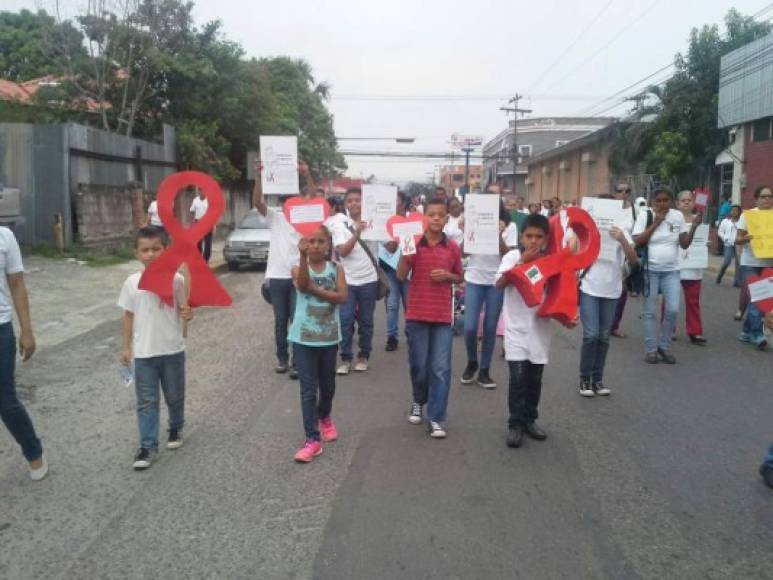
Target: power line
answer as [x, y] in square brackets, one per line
[611, 41]
[491, 97]
[572, 44]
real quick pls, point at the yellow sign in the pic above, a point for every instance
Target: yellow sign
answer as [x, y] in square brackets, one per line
[760, 224]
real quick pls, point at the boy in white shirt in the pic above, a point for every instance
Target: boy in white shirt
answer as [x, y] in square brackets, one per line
[153, 338]
[527, 337]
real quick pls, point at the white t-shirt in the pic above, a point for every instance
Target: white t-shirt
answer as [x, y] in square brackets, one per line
[663, 246]
[527, 336]
[157, 326]
[482, 268]
[604, 279]
[747, 256]
[283, 246]
[452, 230]
[10, 263]
[727, 231]
[689, 273]
[155, 219]
[199, 207]
[358, 267]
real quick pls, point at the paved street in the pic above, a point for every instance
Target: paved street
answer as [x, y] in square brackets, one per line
[657, 481]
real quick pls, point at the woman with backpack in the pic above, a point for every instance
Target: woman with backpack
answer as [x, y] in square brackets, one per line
[662, 230]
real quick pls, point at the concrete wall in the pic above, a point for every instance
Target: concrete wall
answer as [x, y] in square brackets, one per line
[106, 216]
[576, 173]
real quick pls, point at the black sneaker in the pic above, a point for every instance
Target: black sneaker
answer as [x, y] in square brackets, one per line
[468, 376]
[586, 389]
[143, 459]
[600, 389]
[391, 344]
[485, 381]
[293, 373]
[175, 440]
[766, 471]
[281, 367]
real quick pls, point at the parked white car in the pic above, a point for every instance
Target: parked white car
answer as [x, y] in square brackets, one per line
[248, 243]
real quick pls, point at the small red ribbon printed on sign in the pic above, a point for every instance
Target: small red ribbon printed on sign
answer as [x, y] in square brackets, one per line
[158, 277]
[552, 279]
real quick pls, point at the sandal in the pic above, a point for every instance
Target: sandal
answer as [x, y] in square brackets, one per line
[618, 334]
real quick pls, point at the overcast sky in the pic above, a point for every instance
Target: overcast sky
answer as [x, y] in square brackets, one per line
[458, 60]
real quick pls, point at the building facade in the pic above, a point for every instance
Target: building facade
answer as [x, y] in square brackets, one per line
[534, 137]
[573, 170]
[746, 111]
[452, 177]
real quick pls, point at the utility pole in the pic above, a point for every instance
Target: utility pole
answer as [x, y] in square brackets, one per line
[515, 110]
[467, 151]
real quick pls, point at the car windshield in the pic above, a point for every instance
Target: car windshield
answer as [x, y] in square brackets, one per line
[253, 221]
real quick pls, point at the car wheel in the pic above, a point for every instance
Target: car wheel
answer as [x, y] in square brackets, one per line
[233, 266]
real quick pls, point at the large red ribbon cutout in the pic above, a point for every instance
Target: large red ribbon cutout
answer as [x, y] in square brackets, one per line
[552, 280]
[158, 277]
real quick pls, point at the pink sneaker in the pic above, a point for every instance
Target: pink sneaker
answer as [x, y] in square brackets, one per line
[328, 430]
[308, 452]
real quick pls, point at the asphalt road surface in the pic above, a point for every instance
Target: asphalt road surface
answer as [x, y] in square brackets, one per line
[657, 481]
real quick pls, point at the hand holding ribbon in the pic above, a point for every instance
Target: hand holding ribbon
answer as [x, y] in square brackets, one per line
[205, 289]
[551, 280]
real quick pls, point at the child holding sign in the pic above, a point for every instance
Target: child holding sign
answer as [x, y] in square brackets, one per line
[436, 265]
[315, 334]
[153, 338]
[752, 265]
[527, 337]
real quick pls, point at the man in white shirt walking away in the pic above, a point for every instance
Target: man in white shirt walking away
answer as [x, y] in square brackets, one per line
[199, 207]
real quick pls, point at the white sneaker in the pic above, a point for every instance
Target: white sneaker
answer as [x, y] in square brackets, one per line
[40, 472]
[586, 389]
[436, 430]
[415, 416]
[361, 365]
[344, 368]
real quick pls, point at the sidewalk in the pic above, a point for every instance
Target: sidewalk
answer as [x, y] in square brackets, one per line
[68, 298]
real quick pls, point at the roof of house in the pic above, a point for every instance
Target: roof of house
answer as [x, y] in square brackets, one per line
[10, 91]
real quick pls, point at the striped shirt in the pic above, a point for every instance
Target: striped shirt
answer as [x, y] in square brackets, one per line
[430, 301]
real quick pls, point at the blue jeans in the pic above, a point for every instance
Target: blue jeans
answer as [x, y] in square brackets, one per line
[360, 306]
[398, 294]
[658, 335]
[597, 315]
[475, 297]
[12, 412]
[316, 367]
[752, 324]
[525, 390]
[169, 372]
[282, 294]
[730, 255]
[429, 356]
[769, 457]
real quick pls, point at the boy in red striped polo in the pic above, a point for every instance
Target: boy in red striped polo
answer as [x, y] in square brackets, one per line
[435, 268]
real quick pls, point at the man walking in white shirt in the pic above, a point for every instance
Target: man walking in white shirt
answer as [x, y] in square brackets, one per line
[199, 207]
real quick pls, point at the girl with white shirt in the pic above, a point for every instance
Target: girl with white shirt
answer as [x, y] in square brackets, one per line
[662, 231]
[480, 293]
[600, 291]
[727, 232]
[454, 228]
[691, 278]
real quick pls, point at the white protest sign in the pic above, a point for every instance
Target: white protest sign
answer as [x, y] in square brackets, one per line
[761, 290]
[403, 230]
[696, 257]
[305, 214]
[481, 224]
[605, 214]
[279, 156]
[379, 203]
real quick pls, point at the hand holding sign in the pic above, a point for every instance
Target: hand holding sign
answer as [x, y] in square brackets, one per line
[205, 289]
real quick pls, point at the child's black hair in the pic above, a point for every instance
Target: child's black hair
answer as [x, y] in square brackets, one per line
[352, 190]
[535, 220]
[149, 233]
[435, 201]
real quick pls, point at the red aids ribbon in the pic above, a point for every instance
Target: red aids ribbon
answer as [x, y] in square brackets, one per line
[158, 277]
[551, 280]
